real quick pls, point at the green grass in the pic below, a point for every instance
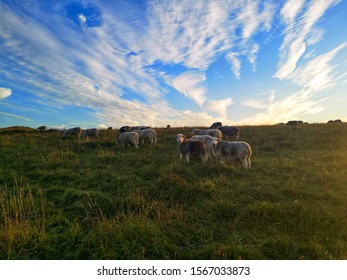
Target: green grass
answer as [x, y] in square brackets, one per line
[64, 198]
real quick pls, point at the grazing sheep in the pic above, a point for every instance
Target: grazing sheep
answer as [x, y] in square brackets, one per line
[335, 121]
[130, 137]
[206, 139]
[212, 132]
[293, 123]
[147, 134]
[231, 131]
[232, 151]
[124, 129]
[216, 125]
[91, 132]
[127, 128]
[42, 128]
[191, 148]
[73, 131]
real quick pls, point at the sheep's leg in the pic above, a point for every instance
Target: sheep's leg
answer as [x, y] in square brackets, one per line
[181, 156]
[210, 152]
[244, 162]
[249, 163]
[204, 158]
[187, 157]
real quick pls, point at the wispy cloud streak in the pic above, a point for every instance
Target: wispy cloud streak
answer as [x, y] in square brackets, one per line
[299, 33]
[317, 75]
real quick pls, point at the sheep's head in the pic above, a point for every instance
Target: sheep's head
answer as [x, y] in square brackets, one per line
[180, 138]
[214, 141]
[194, 132]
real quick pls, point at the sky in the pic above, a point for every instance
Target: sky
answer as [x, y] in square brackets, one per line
[180, 63]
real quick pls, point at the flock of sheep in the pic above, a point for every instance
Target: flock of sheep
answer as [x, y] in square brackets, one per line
[208, 142]
[204, 143]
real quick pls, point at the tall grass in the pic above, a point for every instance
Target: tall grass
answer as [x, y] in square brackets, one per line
[80, 199]
[22, 216]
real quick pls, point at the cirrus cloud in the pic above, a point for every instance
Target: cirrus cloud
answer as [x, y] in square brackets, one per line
[5, 92]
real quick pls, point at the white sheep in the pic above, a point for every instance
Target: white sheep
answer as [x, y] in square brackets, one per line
[212, 132]
[147, 134]
[90, 132]
[128, 138]
[73, 131]
[232, 151]
[206, 139]
[191, 148]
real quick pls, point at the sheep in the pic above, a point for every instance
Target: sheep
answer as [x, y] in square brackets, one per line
[191, 148]
[127, 128]
[231, 131]
[73, 131]
[91, 132]
[147, 134]
[232, 151]
[294, 123]
[206, 139]
[42, 128]
[212, 132]
[128, 138]
[124, 129]
[216, 125]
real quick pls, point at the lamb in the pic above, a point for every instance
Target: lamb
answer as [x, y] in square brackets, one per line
[147, 134]
[232, 151]
[206, 139]
[128, 138]
[191, 148]
[212, 132]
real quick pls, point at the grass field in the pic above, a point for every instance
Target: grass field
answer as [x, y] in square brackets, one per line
[64, 198]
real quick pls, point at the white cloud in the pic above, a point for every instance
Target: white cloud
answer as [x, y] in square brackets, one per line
[190, 85]
[82, 19]
[300, 33]
[260, 103]
[191, 33]
[318, 74]
[290, 11]
[253, 19]
[219, 107]
[235, 63]
[15, 116]
[282, 110]
[192, 119]
[5, 92]
[253, 56]
[102, 126]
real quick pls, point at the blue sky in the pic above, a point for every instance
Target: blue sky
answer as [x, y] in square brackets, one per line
[183, 63]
